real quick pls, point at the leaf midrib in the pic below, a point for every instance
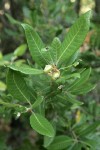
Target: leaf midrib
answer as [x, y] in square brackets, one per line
[19, 89]
[40, 123]
[66, 141]
[69, 44]
[38, 48]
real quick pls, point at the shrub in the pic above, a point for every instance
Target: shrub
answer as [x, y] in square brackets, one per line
[49, 87]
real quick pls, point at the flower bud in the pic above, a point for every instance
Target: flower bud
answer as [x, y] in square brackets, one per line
[47, 68]
[56, 75]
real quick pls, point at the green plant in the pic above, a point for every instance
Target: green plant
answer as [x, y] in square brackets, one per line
[48, 88]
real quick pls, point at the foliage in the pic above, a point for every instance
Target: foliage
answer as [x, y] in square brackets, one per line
[48, 89]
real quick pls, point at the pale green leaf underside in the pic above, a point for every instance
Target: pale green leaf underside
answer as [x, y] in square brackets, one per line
[19, 51]
[17, 86]
[41, 125]
[35, 44]
[26, 69]
[74, 38]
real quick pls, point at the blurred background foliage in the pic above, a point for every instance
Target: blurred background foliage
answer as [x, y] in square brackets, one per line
[50, 18]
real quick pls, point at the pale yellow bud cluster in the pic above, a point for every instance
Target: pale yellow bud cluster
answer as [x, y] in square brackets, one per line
[52, 71]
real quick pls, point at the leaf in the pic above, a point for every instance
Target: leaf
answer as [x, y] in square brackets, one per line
[83, 79]
[19, 51]
[84, 89]
[46, 52]
[72, 58]
[41, 125]
[17, 86]
[48, 141]
[60, 143]
[70, 98]
[17, 107]
[91, 128]
[35, 45]
[2, 86]
[74, 38]
[11, 19]
[90, 142]
[38, 102]
[1, 56]
[50, 53]
[77, 146]
[55, 49]
[69, 76]
[26, 69]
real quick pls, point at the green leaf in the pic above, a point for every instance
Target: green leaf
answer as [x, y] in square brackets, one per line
[77, 146]
[90, 142]
[35, 45]
[41, 125]
[69, 76]
[91, 128]
[19, 51]
[84, 89]
[17, 107]
[74, 38]
[38, 102]
[46, 52]
[2, 86]
[1, 56]
[48, 141]
[50, 53]
[73, 58]
[55, 49]
[60, 143]
[26, 69]
[17, 86]
[70, 98]
[12, 20]
[83, 79]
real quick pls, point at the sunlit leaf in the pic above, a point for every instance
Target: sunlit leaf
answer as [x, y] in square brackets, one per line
[19, 51]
